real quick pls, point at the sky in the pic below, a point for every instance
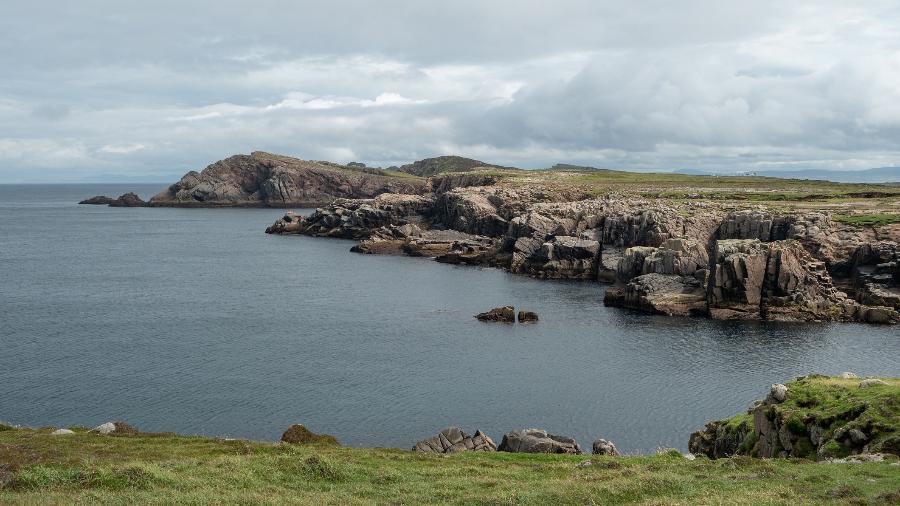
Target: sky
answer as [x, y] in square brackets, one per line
[119, 89]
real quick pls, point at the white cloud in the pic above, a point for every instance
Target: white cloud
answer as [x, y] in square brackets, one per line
[723, 85]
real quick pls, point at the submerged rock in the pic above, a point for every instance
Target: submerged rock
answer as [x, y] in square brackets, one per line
[453, 440]
[537, 441]
[505, 314]
[99, 200]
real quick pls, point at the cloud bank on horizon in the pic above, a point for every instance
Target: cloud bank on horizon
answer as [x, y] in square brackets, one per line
[136, 88]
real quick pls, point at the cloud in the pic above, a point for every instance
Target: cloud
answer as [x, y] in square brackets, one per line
[171, 86]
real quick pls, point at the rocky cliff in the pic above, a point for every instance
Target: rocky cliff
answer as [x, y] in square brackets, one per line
[267, 180]
[693, 258]
[816, 416]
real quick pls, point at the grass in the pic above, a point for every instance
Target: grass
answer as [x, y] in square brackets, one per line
[723, 189]
[868, 220]
[168, 469]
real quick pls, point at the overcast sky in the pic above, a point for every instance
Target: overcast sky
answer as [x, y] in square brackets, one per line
[157, 88]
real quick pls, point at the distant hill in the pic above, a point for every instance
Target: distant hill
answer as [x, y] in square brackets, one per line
[877, 175]
[582, 168]
[431, 166]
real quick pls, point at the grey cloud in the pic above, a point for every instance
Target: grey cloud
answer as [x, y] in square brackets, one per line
[160, 87]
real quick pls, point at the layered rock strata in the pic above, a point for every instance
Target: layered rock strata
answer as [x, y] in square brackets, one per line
[266, 180]
[694, 259]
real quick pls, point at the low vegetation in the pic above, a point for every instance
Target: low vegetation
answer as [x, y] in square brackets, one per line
[868, 220]
[86, 468]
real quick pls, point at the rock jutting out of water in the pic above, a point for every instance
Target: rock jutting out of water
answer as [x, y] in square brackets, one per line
[125, 200]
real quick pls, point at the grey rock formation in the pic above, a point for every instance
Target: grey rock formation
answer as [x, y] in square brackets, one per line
[115, 428]
[537, 441]
[694, 260]
[669, 295]
[505, 314]
[778, 393]
[267, 180]
[125, 200]
[99, 200]
[871, 382]
[604, 447]
[527, 317]
[735, 284]
[453, 440]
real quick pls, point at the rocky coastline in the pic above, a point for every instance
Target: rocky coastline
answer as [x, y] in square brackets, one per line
[677, 259]
[813, 417]
[666, 253]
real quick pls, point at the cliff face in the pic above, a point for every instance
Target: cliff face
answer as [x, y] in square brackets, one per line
[266, 180]
[815, 417]
[693, 258]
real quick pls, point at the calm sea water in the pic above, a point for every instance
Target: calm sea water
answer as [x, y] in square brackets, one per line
[195, 321]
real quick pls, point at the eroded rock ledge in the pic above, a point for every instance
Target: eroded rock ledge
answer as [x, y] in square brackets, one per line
[697, 258]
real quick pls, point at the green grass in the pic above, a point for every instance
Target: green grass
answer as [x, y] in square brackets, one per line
[169, 469]
[868, 220]
[671, 186]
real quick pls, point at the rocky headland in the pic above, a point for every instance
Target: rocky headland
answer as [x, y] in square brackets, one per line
[266, 180]
[696, 256]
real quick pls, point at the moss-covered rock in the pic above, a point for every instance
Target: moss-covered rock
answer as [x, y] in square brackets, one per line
[819, 417]
[299, 434]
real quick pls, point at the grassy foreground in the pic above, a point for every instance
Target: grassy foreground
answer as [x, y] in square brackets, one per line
[85, 468]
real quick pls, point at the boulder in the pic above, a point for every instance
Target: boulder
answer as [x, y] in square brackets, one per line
[453, 440]
[290, 223]
[115, 429]
[669, 295]
[527, 317]
[604, 447]
[537, 441]
[505, 314]
[778, 392]
[871, 382]
[299, 434]
[62, 432]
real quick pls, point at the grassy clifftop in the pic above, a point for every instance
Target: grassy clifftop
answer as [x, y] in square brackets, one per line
[86, 468]
[815, 417]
